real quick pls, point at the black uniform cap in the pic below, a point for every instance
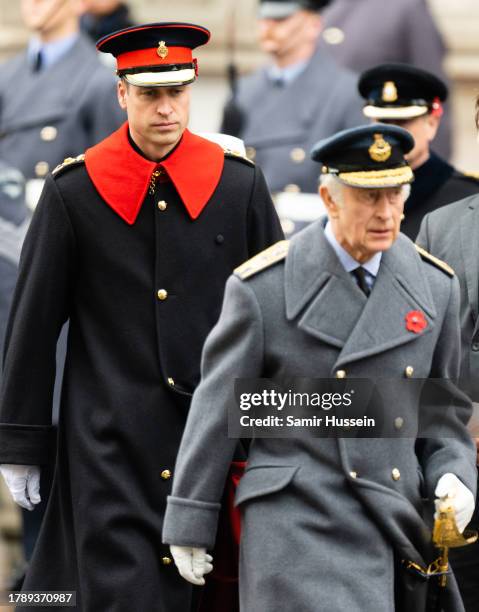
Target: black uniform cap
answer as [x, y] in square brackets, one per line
[400, 91]
[279, 9]
[369, 156]
[156, 54]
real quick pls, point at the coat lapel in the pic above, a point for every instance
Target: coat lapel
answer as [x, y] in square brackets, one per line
[330, 306]
[469, 228]
[400, 287]
[318, 288]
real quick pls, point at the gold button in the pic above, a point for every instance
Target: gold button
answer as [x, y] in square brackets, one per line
[48, 133]
[398, 422]
[403, 216]
[250, 152]
[298, 155]
[333, 36]
[162, 294]
[42, 168]
[341, 374]
[409, 371]
[396, 474]
[166, 474]
[162, 205]
[292, 188]
[353, 474]
[166, 561]
[171, 382]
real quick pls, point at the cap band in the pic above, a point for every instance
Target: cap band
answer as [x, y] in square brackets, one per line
[162, 79]
[150, 57]
[394, 112]
[390, 177]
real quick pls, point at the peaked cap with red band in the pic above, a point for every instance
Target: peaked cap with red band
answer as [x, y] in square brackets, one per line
[156, 54]
[122, 176]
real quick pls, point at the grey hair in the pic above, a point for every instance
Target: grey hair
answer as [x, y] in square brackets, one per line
[335, 188]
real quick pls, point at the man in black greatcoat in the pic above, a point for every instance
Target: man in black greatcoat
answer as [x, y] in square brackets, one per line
[413, 99]
[132, 242]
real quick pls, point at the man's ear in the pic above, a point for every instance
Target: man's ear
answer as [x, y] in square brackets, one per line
[433, 122]
[329, 203]
[122, 92]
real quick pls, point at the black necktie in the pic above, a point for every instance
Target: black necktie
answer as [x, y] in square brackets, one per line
[37, 63]
[360, 274]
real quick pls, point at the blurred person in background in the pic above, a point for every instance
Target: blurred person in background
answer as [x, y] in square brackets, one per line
[104, 16]
[452, 233]
[13, 224]
[406, 33]
[300, 97]
[60, 99]
[413, 99]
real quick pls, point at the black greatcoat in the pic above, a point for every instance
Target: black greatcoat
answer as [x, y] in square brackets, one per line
[132, 362]
[435, 184]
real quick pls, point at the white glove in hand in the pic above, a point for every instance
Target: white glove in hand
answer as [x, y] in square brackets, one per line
[449, 486]
[23, 482]
[192, 563]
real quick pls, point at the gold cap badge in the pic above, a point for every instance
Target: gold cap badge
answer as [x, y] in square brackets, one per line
[162, 50]
[390, 92]
[380, 150]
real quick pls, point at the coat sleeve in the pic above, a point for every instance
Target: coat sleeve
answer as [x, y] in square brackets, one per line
[264, 227]
[447, 445]
[40, 306]
[234, 349]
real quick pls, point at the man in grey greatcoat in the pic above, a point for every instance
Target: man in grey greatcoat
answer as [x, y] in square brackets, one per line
[451, 233]
[333, 524]
[299, 98]
[58, 98]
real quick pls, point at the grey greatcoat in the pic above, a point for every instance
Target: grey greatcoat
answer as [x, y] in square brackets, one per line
[52, 114]
[451, 233]
[280, 124]
[321, 518]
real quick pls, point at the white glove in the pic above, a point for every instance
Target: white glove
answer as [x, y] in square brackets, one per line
[23, 482]
[192, 563]
[451, 488]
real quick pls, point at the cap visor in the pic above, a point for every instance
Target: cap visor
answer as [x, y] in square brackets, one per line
[277, 10]
[376, 179]
[162, 78]
[394, 112]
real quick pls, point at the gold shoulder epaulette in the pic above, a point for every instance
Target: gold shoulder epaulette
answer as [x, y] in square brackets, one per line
[442, 265]
[263, 260]
[237, 155]
[473, 175]
[68, 162]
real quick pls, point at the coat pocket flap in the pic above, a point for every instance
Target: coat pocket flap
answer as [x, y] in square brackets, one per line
[264, 480]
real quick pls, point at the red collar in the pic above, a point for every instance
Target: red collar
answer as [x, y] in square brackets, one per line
[122, 176]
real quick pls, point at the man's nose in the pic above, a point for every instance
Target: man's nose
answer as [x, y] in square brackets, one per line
[163, 107]
[384, 208]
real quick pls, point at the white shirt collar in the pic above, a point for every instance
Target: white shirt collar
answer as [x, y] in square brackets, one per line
[348, 262]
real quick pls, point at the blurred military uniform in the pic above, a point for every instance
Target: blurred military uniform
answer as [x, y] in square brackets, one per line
[285, 111]
[406, 33]
[326, 522]
[399, 93]
[452, 233]
[13, 224]
[50, 111]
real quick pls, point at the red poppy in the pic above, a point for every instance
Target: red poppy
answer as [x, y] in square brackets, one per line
[415, 321]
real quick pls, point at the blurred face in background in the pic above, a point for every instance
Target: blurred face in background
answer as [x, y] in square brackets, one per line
[101, 7]
[52, 19]
[292, 39]
[423, 130]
